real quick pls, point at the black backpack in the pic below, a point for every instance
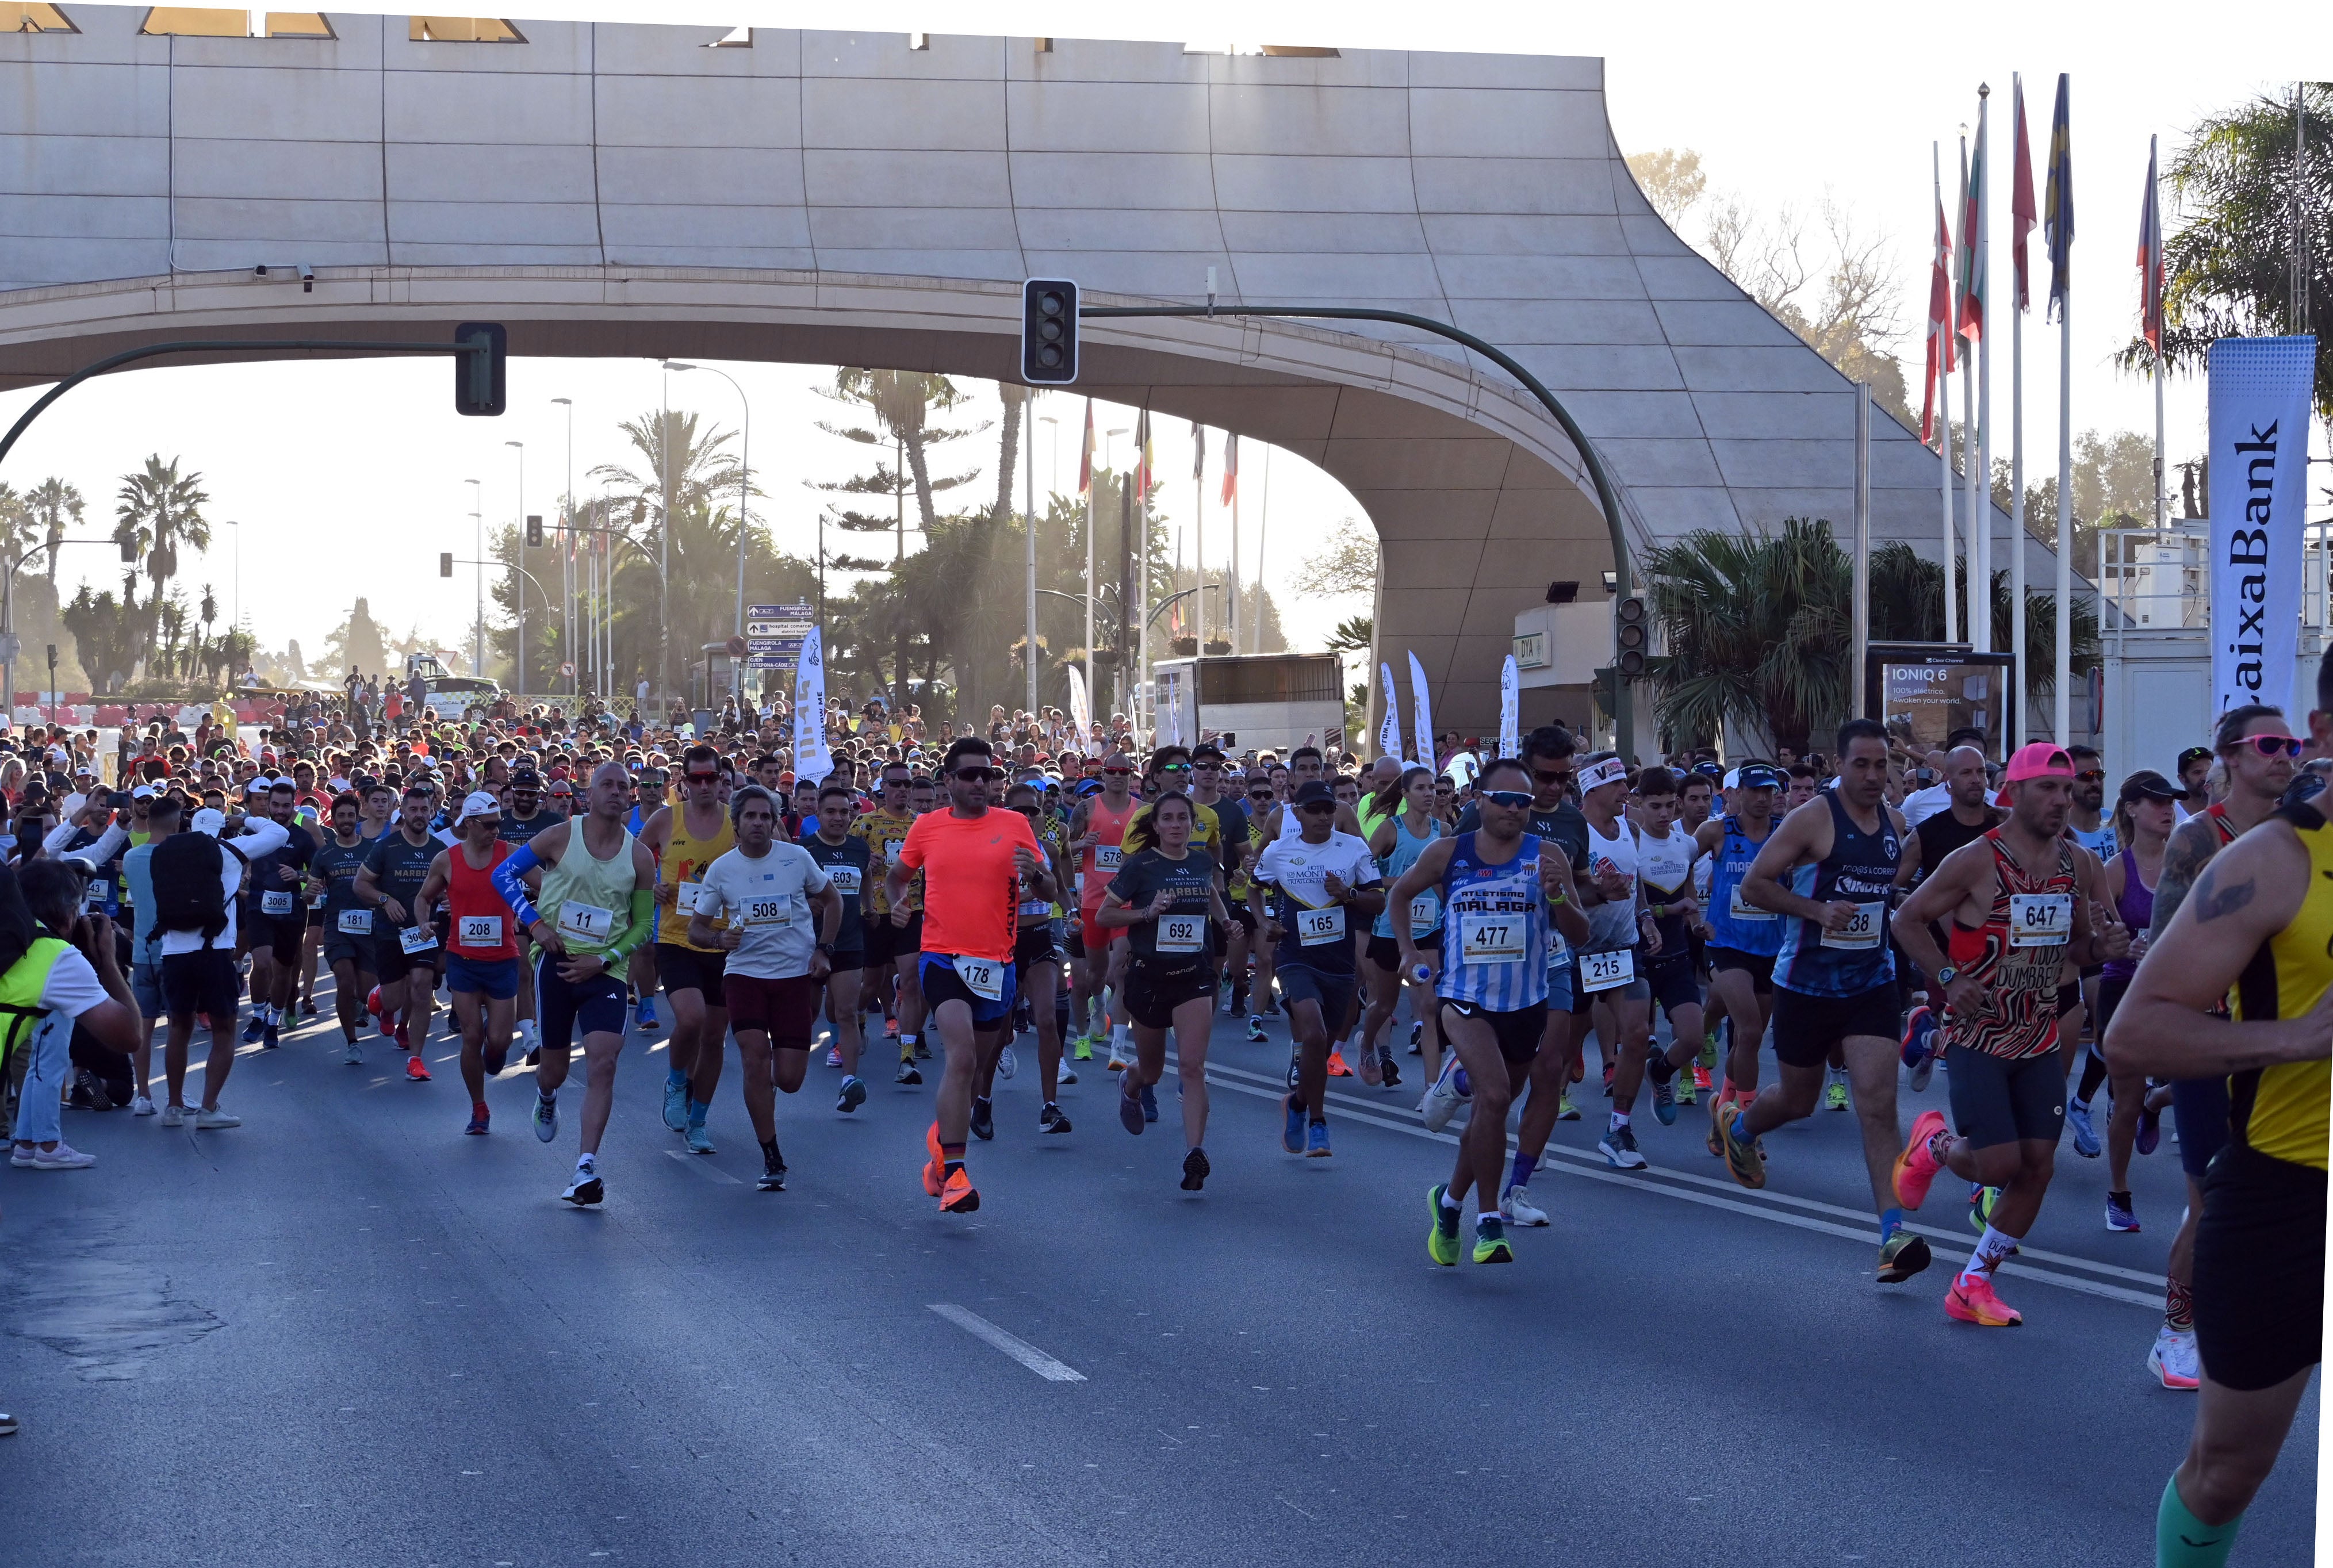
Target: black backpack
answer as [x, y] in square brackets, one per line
[189, 894]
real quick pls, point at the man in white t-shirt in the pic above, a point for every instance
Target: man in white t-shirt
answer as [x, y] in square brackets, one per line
[769, 891]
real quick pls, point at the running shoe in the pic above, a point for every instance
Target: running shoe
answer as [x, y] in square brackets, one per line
[534, 1056]
[1491, 1243]
[1743, 1160]
[1981, 1203]
[1917, 1166]
[1442, 1228]
[478, 1126]
[1256, 1035]
[1919, 1041]
[983, 1119]
[2172, 1360]
[2086, 1136]
[1970, 1300]
[1067, 1075]
[1902, 1256]
[1417, 1035]
[907, 1074]
[1442, 1096]
[354, 1057]
[923, 1049]
[497, 1060]
[1607, 1080]
[1316, 1140]
[63, 1157]
[890, 1029]
[268, 1039]
[1388, 1074]
[585, 1189]
[1120, 1057]
[1006, 1063]
[1664, 1101]
[834, 1056]
[1834, 1095]
[2150, 1128]
[250, 1030]
[1291, 1132]
[1701, 1079]
[1565, 1111]
[700, 1140]
[1195, 1170]
[1084, 1052]
[174, 1115]
[141, 1106]
[935, 1168]
[1337, 1068]
[1517, 1208]
[773, 1177]
[546, 1119]
[958, 1195]
[1050, 1120]
[648, 1019]
[853, 1096]
[414, 1072]
[1150, 1100]
[676, 1103]
[1618, 1147]
[2120, 1215]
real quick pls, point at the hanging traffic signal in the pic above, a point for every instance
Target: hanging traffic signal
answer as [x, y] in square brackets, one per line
[1632, 634]
[444, 563]
[1049, 333]
[534, 531]
[479, 368]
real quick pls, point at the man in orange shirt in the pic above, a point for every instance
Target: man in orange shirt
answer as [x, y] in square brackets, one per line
[972, 859]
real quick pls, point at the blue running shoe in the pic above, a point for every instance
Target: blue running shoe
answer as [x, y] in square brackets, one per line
[853, 1096]
[676, 1103]
[2086, 1136]
[2150, 1129]
[1292, 1134]
[250, 1031]
[1919, 1047]
[1664, 1100]
[2120, 1215]
[1130, 1107]
[546, 1119]
[1150, 1102]
[647, 1017]
[1316, 1140]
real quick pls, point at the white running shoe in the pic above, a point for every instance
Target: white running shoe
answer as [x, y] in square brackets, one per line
[63, 1157]
[1121, 1049]
[1517, 1208]
[2172, 1359]
[215, 1121]
[174, 1115]
[1005, 1063]
[1441, 1098]
[141, 1106]
[1067, 1075]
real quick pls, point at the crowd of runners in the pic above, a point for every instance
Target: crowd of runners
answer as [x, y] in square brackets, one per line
[1864, 919]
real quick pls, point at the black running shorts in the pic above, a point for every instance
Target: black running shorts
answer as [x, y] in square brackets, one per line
[2260, 1269]
[1998, 1101]
[1807, 1027]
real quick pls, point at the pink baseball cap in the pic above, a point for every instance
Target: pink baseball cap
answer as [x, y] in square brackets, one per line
[2039, 759]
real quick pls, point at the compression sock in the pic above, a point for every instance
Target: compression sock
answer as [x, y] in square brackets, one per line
[1891, 1221]
[1522, 1174]
[950, 1160]
[2094, 1073]
[2183, 1540]
[2178, 1307]
[1991, 1248]
[769, 1152]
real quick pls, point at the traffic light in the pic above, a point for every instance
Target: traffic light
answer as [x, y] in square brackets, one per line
[1049, 333]
[534, 531]
[1632, 634]
[478, 369]
[444, 563]
[128, 549]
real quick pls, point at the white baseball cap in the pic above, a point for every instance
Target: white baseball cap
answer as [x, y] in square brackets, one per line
[479, 804]
[210, 820]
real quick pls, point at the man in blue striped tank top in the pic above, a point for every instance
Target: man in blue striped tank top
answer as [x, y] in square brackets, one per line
[1830, 872]
[1498, 894]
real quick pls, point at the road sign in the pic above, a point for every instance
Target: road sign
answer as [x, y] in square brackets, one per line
[11, 647]
[793, 622]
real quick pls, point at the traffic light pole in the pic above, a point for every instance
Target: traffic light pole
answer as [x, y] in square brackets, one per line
[1624, 579]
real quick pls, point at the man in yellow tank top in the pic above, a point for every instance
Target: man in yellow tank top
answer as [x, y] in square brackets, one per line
[2257, 933]
[893, 950]
[684, 842]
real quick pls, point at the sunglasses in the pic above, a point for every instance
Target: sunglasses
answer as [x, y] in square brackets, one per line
[1515, 799]
[1318, 808]
[980, 775]
[1120, 773]
[1259, 794]
[2274, 746]
[2091, 775]
[1556, 776]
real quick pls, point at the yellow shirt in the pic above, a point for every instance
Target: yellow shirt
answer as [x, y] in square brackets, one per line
[2284, 1112]
[683, 868]
[884, 834]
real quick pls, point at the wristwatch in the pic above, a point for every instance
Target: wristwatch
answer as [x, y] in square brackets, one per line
[1947, 975]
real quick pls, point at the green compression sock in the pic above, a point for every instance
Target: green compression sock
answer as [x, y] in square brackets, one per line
[2183, 1540]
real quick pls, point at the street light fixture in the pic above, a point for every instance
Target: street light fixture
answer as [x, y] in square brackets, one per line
[478, 628]
[567, 553]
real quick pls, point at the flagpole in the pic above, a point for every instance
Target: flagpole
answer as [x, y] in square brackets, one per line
[1029, 534]
[1980, 489]
[2060, 212]
[1975, 622]
[1199, 570]
[1944, 420]
[2021, 187]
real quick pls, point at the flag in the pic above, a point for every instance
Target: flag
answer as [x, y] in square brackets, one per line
[1231, 467]
[1511, 698]
[2057, 200]
[1389, 729]
[2021, 202]
[1971, 322]
[1421, 715]
[1941, 345]
[1199, 450]
[1085, 453]
[1142, 457]
[2150, 260]
[810, 758]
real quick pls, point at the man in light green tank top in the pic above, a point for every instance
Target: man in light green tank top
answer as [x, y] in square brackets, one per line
[593, 888]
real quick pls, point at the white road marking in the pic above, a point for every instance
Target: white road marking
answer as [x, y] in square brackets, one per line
[702, 1166]
[1744, 1203]
[1019, 1349]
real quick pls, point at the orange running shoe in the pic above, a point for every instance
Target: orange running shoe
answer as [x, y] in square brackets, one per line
[1970, 1300]
[960, 1197]
[890, 1029]
[415, 1071]
[935, 1166]
[1337, 1068]
[1700, 1076]
[1917, 1166]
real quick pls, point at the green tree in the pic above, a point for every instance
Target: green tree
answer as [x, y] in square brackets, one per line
[108, 633]
[1672, 180]
[356, 642]
[2247, 198]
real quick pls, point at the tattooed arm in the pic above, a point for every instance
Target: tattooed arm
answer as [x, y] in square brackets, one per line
[2166, 1026]
[2192, 844]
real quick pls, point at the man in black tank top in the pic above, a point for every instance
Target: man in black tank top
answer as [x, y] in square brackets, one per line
[1968, 818]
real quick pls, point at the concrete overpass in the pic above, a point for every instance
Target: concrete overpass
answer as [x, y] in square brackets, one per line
[856, 198]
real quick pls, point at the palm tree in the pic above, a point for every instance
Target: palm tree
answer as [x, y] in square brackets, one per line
[15, 527]
[157, 511]
[701, 470]
[52, 502]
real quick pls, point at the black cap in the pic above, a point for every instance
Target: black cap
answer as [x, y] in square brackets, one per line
[1762, 776]
[525, 779]
[2147, 784]
[1315, 793]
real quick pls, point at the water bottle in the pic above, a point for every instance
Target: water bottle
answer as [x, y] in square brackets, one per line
[1421, 972]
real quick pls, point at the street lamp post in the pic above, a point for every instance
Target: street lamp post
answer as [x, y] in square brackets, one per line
[745, 490]
[567, 552]
[478, 628]
[663, 550]
[518, 552]
[1093, 515]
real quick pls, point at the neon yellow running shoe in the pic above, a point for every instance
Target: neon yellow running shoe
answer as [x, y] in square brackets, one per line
[1442, 1233]
[1491, 1242]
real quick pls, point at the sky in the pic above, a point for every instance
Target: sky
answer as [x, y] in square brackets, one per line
[348, 478]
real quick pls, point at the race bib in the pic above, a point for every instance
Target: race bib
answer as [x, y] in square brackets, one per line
[891, 848]
[1737, 908]
[480, 931]
[1318, 927]
[1861, 932]
[585, 921]
[1034, 907]
[1424, 914]
[1491, 938]
[767, 909]
[2040, 919]
[689, 897]
[845, 879]
[1558, 952]
[355, 922]
[1109, 856]
[1602, 971]
[413, 939]
[1181, 932]
[983, 977]
[275, 901]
